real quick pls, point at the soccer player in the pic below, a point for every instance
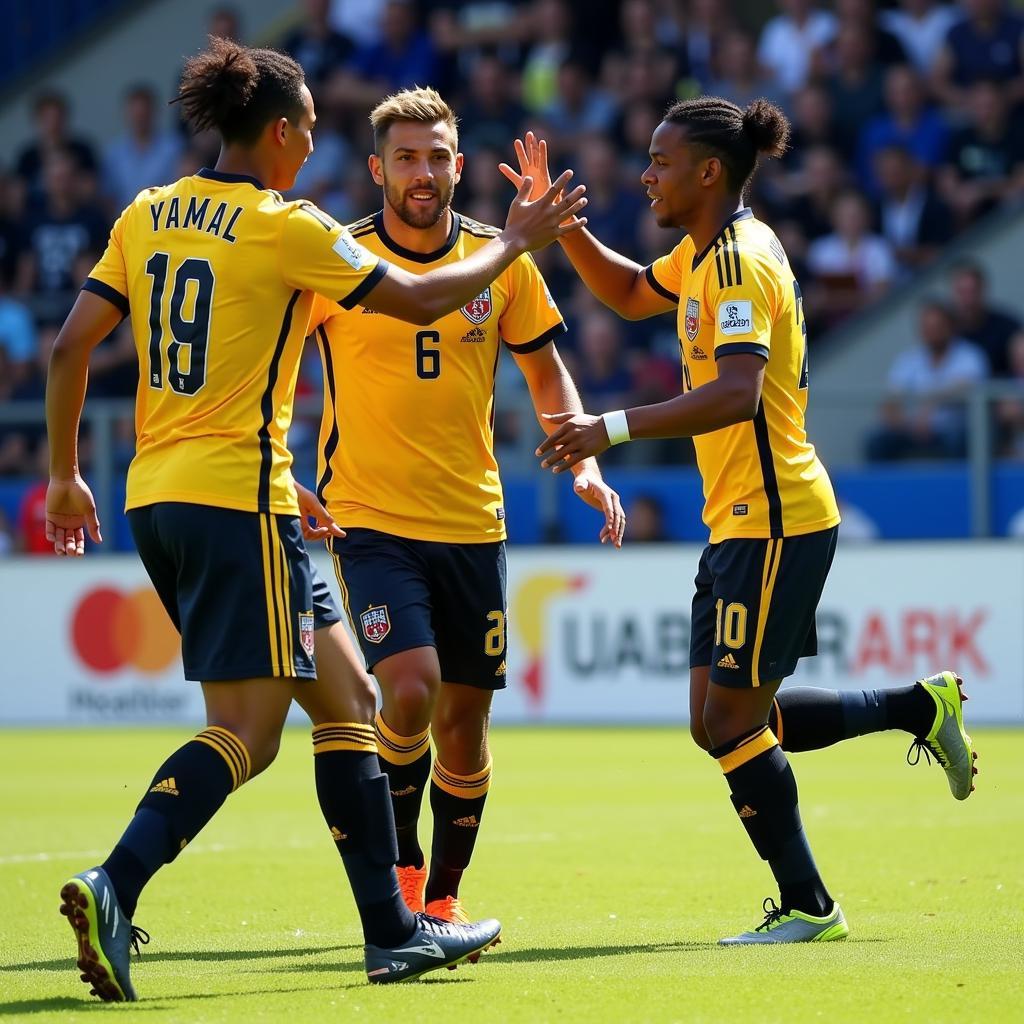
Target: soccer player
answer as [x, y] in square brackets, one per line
[217, 273]
[407, 467]
[769, 504]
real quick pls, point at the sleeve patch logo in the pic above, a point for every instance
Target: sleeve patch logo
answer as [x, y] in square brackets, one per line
[349, 250]
[736, 317]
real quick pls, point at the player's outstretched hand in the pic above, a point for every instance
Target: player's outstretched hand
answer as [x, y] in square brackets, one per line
[578, 437]
[70, 511]
[532, 154]
[597, 494]
[323, 525]
[535, 224]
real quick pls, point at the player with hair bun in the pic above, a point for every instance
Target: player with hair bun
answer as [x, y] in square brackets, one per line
[769, 504]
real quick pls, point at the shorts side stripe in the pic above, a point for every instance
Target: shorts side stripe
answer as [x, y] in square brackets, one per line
[268, 588]
[344, 591]
[275, 579]
[288, 635]
[772, 558]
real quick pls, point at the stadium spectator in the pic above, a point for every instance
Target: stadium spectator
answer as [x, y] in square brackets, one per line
[319, 47]
[615, 207]
[602, 375]
[17, 332]
[921, 26]
[492, 112]
[854, 83]
[646, 519]
[813, 124]
[52, 136]
[1009, 411]
[907, 121]
[912, 218]
[789, 41]
[12, 203]
[886, 47]
[815, 191]
[360, 20]
[552, 44]
[924, 414]
[580, 106]
[705, 25]
[985, 163]
[985, 45]
[737, 75]
[65, 225]
[144, 155]
[851, 266]
[989, 328]
[640, 66]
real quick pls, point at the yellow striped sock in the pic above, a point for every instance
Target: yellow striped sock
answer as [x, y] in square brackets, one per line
[753, 746]
[232, 749]
[465, 786]
[344, 736]
[400, 750]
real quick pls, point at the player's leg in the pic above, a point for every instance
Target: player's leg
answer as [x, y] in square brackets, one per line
[468, 583]
[765, 594]
[384, 586]
[238, 647]
[352, 791]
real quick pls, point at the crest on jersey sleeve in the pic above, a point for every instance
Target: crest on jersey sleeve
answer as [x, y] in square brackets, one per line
[477, 310]
[376, 623]
[692, 321]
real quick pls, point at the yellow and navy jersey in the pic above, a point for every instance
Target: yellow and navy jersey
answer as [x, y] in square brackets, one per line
[406, 443]
[219, 275]
[762, 477]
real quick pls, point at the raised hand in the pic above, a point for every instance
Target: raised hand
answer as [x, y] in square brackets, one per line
[535, 224]
[70, 511]
[532, 154]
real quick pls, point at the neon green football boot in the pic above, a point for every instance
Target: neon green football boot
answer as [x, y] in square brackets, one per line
[947, 739]
[778, 928]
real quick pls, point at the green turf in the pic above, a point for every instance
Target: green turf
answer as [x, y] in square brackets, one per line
[612, 857]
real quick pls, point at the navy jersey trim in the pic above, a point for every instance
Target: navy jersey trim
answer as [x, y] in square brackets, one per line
[267, 407]
[331, 444]
[771, 482]
[741, 348]
[357, 294]
[538, 343]
[409, 254]
[229, 179]
[744, 214]
[104, 291]
[658, 286]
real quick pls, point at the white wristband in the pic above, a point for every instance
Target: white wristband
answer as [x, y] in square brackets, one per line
[617, 426]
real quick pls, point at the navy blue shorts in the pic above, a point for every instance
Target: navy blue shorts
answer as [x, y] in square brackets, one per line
[238, 586]
[401, 594]
[753, 612]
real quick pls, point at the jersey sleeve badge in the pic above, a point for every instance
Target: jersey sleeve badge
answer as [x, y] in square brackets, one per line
[736, 317]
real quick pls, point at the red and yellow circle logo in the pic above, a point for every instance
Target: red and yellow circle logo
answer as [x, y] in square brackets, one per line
[113, 629]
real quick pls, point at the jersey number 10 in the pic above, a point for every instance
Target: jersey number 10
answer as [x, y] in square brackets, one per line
[193, 333]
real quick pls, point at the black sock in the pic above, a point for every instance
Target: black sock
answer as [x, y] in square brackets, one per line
[406, 760]
[458, 805]
[184, 795]
[764, 793]
[809, 718]
[353, 796]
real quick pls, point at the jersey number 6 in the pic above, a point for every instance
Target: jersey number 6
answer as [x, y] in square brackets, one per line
[428, 360]
[194, 332]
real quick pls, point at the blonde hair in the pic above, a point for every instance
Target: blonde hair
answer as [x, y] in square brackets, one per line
[421, 106]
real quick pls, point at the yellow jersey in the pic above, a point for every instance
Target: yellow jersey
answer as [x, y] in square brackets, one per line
[761, 478]
[406, 442]
[218, 275]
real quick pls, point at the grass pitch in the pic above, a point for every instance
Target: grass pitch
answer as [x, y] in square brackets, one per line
[612, 857]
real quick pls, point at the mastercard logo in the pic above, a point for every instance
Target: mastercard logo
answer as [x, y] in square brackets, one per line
[114, 629]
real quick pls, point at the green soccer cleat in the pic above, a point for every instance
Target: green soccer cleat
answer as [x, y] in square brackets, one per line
[947, 739]
[434, 944]
[795, 926]
[105, 936]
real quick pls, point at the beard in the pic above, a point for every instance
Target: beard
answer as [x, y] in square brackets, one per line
[412, 213]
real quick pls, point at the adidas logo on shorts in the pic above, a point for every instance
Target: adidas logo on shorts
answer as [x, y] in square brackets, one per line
[728, 662]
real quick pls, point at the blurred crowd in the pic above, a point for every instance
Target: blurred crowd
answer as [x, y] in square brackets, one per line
[906, 129]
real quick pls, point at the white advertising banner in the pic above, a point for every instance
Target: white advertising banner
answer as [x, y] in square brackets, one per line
[595, 635]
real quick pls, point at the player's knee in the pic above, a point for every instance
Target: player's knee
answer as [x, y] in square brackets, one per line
[721, 724]
[261, 744]
[408, 703]
[461, 742]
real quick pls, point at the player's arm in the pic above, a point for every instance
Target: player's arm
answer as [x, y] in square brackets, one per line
[70, 508]
[311, 261]
[552, 390]
[733, 397]
[622, 285]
